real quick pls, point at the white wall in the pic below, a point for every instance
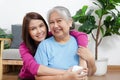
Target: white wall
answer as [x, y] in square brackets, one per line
[13, 11]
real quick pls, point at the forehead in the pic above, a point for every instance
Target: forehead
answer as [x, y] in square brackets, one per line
[35, 22]
[55, 15]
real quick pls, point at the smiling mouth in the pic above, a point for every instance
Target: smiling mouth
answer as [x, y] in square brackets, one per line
[57, 30]
[41, 35]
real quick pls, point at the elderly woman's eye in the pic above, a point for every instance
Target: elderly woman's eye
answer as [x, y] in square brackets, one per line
[51, 22]
[59, 21]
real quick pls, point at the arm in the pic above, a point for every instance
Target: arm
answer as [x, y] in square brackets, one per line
[44, 70]
[48, 77]
[89, 62]
[33, 66]
[66, 76]
[87, 55]
[82, 40]
[28, 59]
[82, 63]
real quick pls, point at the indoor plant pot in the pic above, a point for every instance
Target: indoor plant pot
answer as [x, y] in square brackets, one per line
[104, 22]
[101, 65]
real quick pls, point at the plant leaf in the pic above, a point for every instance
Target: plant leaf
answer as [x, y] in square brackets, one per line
[99, 13]
[80, 14]
[84, 8]
[3, 34]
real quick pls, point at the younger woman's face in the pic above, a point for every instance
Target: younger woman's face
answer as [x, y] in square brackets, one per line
[37, 30]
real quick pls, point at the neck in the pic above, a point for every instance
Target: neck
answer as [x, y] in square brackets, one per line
[62, 39]
[37, 43]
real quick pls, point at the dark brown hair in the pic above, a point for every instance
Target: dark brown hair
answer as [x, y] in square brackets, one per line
[30, 43]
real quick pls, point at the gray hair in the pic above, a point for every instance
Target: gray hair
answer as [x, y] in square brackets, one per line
[62, 11]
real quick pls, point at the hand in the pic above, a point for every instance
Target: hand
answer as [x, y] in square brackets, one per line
[73, 76]
[84, 53]
[84, 78]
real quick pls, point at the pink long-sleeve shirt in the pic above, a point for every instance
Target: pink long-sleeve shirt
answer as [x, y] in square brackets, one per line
[30, 66]
[81, 37]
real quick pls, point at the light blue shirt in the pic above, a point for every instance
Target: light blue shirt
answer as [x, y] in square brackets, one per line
[56, 55]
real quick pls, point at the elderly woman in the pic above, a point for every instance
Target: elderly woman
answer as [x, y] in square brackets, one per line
[60, 50]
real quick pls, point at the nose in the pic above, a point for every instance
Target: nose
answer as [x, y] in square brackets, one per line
[55, 24]
[38, 30]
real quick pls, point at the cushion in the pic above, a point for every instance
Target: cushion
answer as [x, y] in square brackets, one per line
[11, 54]
[16, 33]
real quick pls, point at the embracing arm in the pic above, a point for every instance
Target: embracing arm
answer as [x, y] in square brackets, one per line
[56, 77]
[91, 65]
[86, 54]
[33, 66]
[82, 40]
[28, 59]
[88, 61]
[44, 70]
[69, 75]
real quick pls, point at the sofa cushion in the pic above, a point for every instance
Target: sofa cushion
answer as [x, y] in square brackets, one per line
[16, 32]
[11, 54]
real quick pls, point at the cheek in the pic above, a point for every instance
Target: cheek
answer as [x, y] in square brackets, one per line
[66, 27]
[45, 30]
[32, 33]
[51, 28]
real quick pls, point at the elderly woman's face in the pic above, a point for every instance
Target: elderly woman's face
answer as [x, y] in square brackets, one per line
[59, 26]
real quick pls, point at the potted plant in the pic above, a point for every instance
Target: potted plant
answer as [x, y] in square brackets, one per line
[105, 20]
[3, 34]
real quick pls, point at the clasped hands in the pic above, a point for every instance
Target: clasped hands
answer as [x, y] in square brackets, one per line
[76, 73]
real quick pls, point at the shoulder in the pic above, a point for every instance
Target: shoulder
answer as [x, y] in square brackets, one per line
[83, 34]
[24, 49]
[78, 34]
[81, 37]
[22, 45]
[72, 38]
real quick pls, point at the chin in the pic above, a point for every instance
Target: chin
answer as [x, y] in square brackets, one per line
[42, 39]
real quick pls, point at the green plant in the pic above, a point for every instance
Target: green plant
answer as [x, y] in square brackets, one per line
[3, 34]
[108, 20]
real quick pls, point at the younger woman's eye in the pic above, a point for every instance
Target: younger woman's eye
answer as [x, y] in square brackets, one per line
[32, 28]
[42, 25]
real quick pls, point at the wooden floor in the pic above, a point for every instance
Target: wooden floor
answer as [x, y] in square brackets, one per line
[10, 76]
[111, 75]
[12, 73]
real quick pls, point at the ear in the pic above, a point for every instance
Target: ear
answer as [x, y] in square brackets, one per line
[70, 22]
